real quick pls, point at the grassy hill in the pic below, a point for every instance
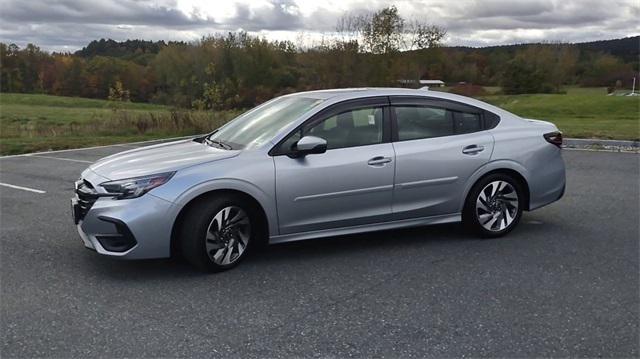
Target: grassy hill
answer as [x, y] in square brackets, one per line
[625, 48]
[28, 108]
[580, 113]
[31, 123]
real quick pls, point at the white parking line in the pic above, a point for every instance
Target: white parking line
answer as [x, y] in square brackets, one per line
[22, 188]
[59, 158]
[160, 140]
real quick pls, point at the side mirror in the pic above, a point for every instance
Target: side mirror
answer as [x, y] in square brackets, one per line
[309, 145]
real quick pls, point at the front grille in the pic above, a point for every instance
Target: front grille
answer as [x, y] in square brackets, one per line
[86, 196]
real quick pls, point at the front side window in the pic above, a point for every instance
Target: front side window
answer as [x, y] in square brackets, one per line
[352, 128]
[261, 124]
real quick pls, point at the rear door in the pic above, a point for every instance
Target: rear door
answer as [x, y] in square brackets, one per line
[438, 146]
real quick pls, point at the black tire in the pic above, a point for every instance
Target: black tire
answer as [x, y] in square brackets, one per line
[195, 226]
[470, 216]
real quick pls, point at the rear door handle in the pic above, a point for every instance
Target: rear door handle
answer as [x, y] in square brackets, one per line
[379, 160]
[472, 149]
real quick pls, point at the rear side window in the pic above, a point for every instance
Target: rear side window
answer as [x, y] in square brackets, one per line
[491, 120]
[466, 122]
[416, 122]
[422, 122]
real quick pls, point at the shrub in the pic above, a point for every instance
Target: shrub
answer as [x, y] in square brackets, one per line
[470, 90]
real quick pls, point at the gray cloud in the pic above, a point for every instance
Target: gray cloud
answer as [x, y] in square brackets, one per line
[71, 24]
[282, 17]
[96, 12]
[502, 8]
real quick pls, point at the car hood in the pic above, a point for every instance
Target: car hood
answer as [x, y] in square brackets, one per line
[160, 158]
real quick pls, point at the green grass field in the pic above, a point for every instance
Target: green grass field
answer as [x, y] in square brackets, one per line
[580, 113]
[31, 123]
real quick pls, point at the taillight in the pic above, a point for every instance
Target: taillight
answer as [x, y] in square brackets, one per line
[554, 138]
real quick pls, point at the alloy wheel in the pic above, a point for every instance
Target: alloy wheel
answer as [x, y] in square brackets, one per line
[228, 235]
[497, 206]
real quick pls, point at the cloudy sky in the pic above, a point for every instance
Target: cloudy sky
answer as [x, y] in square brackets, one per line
[67, 25]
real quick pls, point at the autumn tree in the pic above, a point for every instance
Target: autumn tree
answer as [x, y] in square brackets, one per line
[238, 70]
[10, 75]
[382, 31]
[385, 33]
[118, 93]
[541, 68]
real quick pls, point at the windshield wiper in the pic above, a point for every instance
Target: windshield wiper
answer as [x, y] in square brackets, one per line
[218, 143]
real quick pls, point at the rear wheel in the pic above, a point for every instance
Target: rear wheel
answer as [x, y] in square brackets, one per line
[217, 232]
[494, 205]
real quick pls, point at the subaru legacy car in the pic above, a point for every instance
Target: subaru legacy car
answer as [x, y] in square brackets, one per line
[317, 164]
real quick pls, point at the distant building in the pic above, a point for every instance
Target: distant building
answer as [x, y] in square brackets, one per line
[432, 83]
[421, 83]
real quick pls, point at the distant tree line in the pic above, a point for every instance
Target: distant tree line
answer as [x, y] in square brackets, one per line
[236, 70]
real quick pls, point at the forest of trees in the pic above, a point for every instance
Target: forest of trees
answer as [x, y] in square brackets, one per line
[236, 70]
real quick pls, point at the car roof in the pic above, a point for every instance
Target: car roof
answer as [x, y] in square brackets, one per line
[337, 95]
[352, 93]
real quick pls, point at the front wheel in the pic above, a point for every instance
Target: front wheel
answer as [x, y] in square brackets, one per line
[217, 233]
[494, 205]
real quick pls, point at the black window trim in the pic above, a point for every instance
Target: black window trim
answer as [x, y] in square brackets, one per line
[338, 108]
[449, 105]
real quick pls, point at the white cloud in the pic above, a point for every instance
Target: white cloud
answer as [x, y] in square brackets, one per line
[71, 24]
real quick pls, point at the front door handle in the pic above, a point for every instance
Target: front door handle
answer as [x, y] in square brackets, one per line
[379, 160]
[472, 149]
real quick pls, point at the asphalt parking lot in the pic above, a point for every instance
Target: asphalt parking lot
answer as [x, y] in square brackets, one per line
[564, 283]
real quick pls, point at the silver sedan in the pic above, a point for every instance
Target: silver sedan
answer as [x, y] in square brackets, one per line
[317, 164]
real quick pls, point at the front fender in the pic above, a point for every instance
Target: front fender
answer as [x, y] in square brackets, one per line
[266, 201]
[251, 173]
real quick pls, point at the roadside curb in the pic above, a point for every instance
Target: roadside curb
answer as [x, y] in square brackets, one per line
[593, 144]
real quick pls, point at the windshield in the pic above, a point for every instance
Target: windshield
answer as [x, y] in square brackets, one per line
[259, 125]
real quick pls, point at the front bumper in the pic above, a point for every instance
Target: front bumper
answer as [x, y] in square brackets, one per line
[136, 228]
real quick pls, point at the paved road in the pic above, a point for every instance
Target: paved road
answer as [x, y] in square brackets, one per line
[565, 283]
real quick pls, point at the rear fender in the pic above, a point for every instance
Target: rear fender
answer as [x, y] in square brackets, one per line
[490, 167]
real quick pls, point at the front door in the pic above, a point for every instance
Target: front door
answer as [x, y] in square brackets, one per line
[350, 184]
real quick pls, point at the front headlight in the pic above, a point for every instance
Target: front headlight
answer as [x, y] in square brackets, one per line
[137, 186]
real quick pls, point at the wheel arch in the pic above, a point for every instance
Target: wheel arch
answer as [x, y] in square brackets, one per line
[510, 168]
[258, 206]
